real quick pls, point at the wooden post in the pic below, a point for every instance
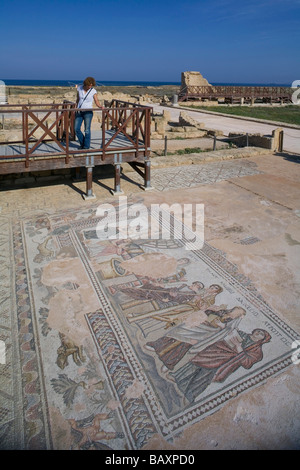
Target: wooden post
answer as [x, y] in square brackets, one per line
[137, 130]
[117, 178]
[26, 139]
[104, 127]
[147, 176]
[166, 145]
[66, 126]
[117, 164]
[117, 188]
[23, 124]
[89, 181]
[89, 178]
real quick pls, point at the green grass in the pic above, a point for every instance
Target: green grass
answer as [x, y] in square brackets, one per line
[183, 151]
[288, 114]
[188, 150]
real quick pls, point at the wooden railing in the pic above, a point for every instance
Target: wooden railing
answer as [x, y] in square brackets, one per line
[130, 119]
[232, 92]
[55, 123]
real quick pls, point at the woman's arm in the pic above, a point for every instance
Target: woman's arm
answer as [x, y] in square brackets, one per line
[97, 101]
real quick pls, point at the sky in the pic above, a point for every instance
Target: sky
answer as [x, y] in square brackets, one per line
[227, 41]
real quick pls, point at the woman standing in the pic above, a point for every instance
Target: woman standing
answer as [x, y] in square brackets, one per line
[86, 96]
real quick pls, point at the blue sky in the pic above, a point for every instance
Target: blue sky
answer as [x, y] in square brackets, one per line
[237, 41]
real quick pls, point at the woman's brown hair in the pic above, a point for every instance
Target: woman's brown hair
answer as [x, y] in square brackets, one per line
[89, 81]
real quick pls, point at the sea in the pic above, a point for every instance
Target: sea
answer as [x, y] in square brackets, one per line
[72, 83]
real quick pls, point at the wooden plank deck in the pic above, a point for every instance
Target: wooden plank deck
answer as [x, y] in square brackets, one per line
[120, 144]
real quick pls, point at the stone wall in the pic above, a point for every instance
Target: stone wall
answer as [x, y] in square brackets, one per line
[185, 128]
[270, 142]
[185, 119]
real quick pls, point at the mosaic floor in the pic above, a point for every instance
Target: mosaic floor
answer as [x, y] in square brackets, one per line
[186, 176]
[121, 340]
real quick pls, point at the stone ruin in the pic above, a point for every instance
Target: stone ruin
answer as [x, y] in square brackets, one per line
[186, 127]
[271, 142]
[190, 83]
[189, 79]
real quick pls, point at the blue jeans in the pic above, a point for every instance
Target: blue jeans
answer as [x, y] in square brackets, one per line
[86, 117]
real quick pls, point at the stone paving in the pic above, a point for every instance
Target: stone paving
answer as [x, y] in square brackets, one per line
[26, 194]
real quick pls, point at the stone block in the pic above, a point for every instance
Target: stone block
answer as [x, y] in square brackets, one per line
[216, 133]
[167, 115]
[186, 120]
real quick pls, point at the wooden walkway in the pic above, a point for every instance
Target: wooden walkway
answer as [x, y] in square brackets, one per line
[123, 136]
[232, 94]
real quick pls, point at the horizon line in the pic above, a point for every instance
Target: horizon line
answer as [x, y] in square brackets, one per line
[99, 83]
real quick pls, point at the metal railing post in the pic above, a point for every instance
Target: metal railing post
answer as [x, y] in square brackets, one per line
[166, 145]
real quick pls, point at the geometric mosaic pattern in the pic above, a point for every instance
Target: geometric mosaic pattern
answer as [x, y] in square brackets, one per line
[187, 176]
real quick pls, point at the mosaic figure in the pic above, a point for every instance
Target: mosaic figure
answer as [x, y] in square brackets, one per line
[194, 299]
[219, 360]
[86, 433]
[173, 346]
